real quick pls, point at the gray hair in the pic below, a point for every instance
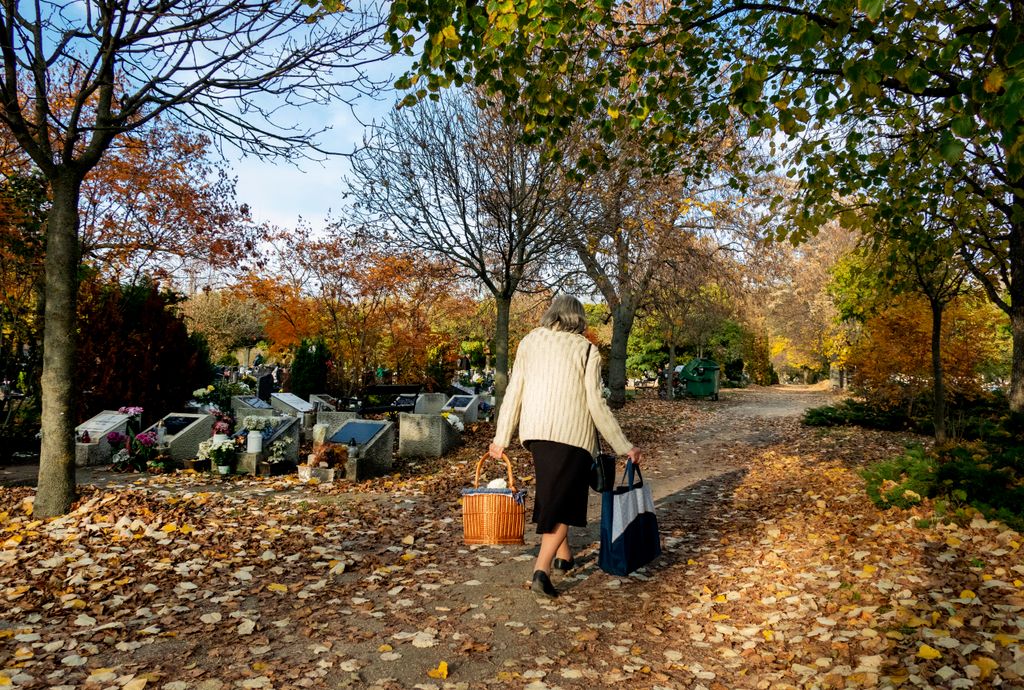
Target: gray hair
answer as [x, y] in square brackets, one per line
[565, 314]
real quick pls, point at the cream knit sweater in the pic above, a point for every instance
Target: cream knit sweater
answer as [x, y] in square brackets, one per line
[552, 398]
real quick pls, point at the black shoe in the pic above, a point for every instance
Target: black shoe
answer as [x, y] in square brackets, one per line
[563, 565]
[542, 584]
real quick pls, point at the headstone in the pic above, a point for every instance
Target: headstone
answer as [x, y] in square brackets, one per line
[334, 420]
[184, 432]
[291, 404]
[322, 401]
[465, 406]
[374, 442]
[250, 406]
[425, 436]
[287, 429]
[97, 451]
[264, 387]
[430, 403]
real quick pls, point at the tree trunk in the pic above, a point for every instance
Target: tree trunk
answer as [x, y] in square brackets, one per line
[671, 373]
[1017, 367]
[56, 487]
[622, 325]
[500, 353]
[938, 385]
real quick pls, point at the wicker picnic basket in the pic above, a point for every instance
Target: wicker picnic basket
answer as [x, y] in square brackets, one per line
[493, 516]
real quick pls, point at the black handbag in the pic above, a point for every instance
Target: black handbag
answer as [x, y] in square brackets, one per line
[602, 470]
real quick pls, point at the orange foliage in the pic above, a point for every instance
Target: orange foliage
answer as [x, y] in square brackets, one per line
[398, 311]
[891, 362]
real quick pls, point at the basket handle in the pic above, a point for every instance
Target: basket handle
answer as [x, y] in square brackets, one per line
[508, 466]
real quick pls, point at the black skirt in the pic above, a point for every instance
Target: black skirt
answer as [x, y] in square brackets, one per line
[563, 473]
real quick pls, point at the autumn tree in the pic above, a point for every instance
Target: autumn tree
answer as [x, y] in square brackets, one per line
[23, 206]
[74, 82]
[157, 203]
[454, 181]
[227, 320]
[855, 86]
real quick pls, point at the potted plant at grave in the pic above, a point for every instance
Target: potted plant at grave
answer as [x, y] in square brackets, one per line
[277, 462]
[219, 454]
[222, 456]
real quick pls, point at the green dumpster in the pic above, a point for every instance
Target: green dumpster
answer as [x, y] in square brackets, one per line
[701, 378]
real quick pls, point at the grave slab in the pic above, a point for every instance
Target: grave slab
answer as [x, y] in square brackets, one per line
[465, 406]
[430, 403]
[184, 432]
[98, 450]
[425, 436]
[375, 441]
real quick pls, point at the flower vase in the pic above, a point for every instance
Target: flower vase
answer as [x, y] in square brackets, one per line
[219, 438]
[223, 469]
[254, 442]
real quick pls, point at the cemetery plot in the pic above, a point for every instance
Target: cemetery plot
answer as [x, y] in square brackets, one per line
[97, 450]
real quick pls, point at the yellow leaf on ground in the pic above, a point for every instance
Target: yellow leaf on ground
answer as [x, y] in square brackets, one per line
[968, 594]
[768, 635]
[1004, 639]
[13, 541]
[169, 527]
[986, 665]
[385, 648]
[870, 569]
[135, 684]
[187, 529]
[926, 652]
[277, 587]
[719, 617]
[440, 672]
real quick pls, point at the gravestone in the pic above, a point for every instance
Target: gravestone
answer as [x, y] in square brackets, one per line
[250, 406]
[425, 436]
[374, 441]
[293, 405]
[333, 420]
[97, 451]
[430, 403]
[465, 406]
[323, 402]
[184, 432]
[287, 428]
[264, 387]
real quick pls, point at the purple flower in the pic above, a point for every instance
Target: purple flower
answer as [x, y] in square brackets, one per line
[116, 438]
[130, 411]
[146, 438]
[221, 428]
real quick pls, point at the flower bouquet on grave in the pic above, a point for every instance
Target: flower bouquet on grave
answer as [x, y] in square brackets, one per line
[138, 451]
[220, 454]
[134, 417]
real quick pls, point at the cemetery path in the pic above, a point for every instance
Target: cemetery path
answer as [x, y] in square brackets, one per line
[777, 573]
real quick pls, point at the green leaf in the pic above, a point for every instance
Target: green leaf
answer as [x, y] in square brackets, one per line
[918, 81]
[962, 126]
[872, 8]
[951, 150]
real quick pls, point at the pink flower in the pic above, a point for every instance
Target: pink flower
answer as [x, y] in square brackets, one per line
[116, 438]
[221, 428]
[130, 411]
[146, 438]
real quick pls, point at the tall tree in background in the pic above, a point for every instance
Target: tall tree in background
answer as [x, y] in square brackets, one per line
[77, 77]
[841, 80]
[226, 319]
[452, 180]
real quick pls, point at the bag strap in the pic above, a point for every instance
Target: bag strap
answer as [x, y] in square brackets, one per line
[629, 476]
[600, 446]
[508, 466]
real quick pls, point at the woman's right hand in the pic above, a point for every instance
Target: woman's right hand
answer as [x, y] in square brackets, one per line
[634, 455]
[496, 451]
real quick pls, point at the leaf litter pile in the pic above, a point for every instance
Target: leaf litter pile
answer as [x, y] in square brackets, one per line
[777, 573]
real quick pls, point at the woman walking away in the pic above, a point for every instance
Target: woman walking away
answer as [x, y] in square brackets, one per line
[554, 396]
